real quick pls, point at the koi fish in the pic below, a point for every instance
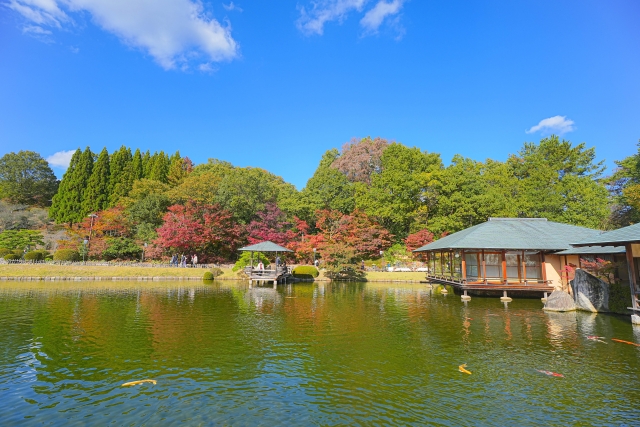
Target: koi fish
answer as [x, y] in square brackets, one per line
[139, 382]
[551, 374]
[625, 342]
[462, 369]
[596, 338]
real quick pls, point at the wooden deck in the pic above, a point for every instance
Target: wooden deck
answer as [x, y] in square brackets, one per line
[279, 275]
[540, 286]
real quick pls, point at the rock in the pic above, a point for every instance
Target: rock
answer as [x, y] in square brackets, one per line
[559, 301]
[591, 293]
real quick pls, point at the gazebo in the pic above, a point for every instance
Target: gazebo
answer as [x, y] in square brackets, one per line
[279, 274]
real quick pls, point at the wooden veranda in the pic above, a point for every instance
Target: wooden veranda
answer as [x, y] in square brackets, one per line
[280, 274]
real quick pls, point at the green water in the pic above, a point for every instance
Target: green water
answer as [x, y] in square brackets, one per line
[309, 354]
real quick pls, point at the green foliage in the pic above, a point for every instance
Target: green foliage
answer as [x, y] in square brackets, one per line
[66, 255]
[149, 210]
[397, 253]
[20, 239]
[208, 276]
[34, 256]
[122, 248]
[12, 257]
[245, 260]
[67, 203]
[159, 167]
[26, 178]
[96, 195]
[122, 175]
[137, 169]
[216, 271]
[619, 297]
[305, 272]
[4, 251]
[341, 263]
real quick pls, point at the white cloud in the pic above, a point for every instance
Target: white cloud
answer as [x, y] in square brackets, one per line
[556, 124]
[321, 12]
[231, 6]
[61, 159]
[173, 32]
[375, 16]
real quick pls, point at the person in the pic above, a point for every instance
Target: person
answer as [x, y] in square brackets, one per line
[174, 260]
[317, 263]
[278, 262]
[362, 266]
[194, 260]
[260, 266]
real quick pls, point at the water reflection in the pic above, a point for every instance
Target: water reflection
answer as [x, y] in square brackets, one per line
[305, 354]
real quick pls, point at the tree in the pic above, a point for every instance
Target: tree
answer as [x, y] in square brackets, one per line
[137, 168]
[20, 239]
[121, 248]
[122, 175]
[624, 189]
[207, 230]
[149, 210]
[202, 188]
[418, 239]
[67, 203]
[272, 225]
[96, 195]
[26, 178]
[179, 169]
[361, 159]
[397, 194]
[159, 167]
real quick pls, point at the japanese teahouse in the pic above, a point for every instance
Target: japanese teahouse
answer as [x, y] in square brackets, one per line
[629, 237]
[279, 274]
[505, 254]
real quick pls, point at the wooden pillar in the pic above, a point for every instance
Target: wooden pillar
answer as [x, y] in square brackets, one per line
[463, 266]
[633, 279]
[484, 269]
[524, 268]
[504, 266]
[543, 267]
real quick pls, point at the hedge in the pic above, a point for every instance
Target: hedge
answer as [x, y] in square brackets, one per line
[305, 272]
[207, 276]
[34, 256]
[12, 257]
[4, 251]
[66, 255]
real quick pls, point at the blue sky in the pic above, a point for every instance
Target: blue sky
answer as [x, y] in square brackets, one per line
[276, 84]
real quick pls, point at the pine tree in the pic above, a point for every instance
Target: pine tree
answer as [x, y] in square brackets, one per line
[96, 195]
[136, 166]
[146, 164]
[159, 167]
[69, 206]
[58, 210]
[178, 169]
[121, 180]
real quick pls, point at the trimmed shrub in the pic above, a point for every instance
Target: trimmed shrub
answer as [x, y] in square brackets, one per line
[33, 256]
[208, 276]
[4, 251]
[12, 257]
[66, 255]
[48, 257]
[216, 272]
[305, 272]
[18, 252]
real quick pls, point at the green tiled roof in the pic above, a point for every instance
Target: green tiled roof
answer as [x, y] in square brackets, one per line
[265, 247]
[513, 234]
[594, 250]
[630, 234]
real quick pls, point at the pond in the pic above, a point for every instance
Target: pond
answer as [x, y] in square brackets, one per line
[306, 354]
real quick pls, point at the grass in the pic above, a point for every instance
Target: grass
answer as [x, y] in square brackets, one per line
[45, 270]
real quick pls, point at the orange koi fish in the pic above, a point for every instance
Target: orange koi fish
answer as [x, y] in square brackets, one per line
[462, 369]
[625, 342]
[139, 382]
[551, 374]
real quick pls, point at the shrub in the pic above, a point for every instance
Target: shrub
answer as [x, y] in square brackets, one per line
[4, 251]
[18, 252]
[34, 256]
[12, 257]
[121, 248]
[208, 276]
[305, 272]
[48, 257]
[66, 255]
[216, 272]
[245, 260]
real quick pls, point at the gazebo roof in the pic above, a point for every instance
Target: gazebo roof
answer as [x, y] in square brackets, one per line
[595, 250]
[266, 246]
[514, 234]
[621, 236]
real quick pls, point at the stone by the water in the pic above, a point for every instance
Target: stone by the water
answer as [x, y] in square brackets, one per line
[591, 293]
[559, 301]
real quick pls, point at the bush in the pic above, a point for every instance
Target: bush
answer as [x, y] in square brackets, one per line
[305, 272]
[121, 248]
[18, 252]
[66, 255]
[48, 257]
[12, 257]
[208, 276]
[216, 272]
[34, 256]
[4, 251]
